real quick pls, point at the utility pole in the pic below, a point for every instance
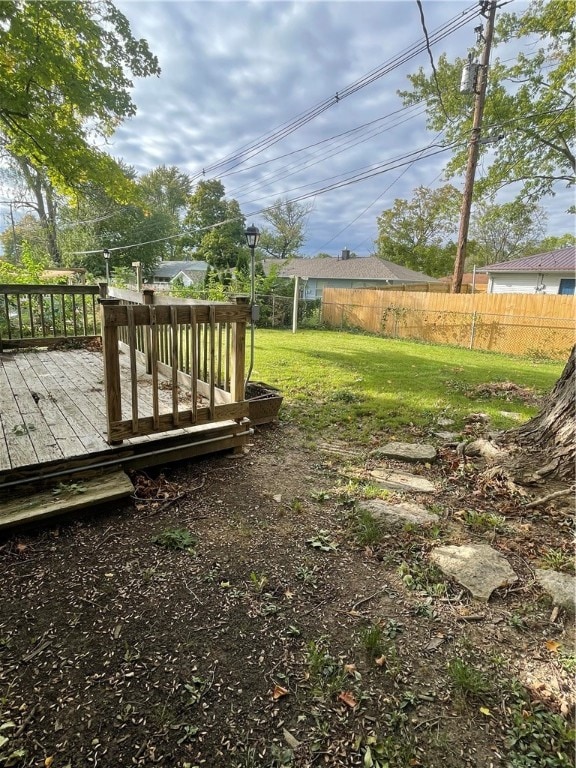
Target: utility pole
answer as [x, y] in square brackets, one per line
[488, 8]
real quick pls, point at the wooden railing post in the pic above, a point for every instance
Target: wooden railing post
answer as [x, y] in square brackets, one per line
[110, 353]
[103, 290]
[148, 298]
[237, 371]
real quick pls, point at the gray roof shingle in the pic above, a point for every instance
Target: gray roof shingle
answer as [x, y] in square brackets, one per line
[560, 260]
[169, 269]
[365, 268]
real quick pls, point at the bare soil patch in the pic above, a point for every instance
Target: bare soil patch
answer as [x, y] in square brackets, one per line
[235, 614]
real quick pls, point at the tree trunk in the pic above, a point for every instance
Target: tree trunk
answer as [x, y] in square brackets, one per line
[546, 445]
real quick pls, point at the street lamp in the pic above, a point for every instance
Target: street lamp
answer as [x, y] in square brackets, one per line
[252, 235]
[106, 254]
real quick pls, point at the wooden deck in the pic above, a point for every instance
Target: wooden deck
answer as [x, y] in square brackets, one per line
[53, 420]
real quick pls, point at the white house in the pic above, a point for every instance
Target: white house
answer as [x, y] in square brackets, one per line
[366, 272]
[553, 272]
[186, 272]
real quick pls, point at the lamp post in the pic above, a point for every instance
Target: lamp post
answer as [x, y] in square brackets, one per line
[252, 235]
[106, 254]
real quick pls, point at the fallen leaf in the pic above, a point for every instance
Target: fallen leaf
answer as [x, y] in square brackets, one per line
[553, 645]
[48, 762]
[350, 668]
[21, 548]
[288, 595]
[291, 740]
[277, 497]
[279, 692]
[486, 711]
[348, 699]
[380, 661]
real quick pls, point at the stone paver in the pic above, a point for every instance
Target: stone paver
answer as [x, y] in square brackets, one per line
[395, 514]
[560, 586]
[393, 480]
[413, 452]
[478, 567]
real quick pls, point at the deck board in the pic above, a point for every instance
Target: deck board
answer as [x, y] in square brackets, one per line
[62, 427]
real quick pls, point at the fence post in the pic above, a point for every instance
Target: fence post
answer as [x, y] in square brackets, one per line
[102, 290]
[273, 309]
[147, 298]
[238, 355]
[110, 354]
[295, 304]
[473, 329]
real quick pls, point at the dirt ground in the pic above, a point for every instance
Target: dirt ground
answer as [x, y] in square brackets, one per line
[240, 613]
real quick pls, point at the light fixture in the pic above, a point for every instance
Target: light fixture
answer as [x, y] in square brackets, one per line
[106, 254]
[252, 235]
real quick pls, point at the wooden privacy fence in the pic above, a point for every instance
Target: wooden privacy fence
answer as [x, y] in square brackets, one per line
[46, 315]
[193, 353]
[516, 324]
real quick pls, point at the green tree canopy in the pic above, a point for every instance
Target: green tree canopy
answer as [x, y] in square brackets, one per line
[529, 103]
[65, 72]
[215, 225]
[507, 231]
[420, 233]
[286, 234]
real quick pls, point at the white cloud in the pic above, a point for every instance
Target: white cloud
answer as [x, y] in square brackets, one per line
[235, 71]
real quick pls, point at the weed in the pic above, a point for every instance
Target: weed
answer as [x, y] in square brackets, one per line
[357, 489]
[557, 560]
[320, 495]
[326, 672]
[425, 577]
[258, 581]
[467, 681]
[296, 505]
[484, 521]
[366, 528]
[393, 629]
[308, 576]
[373, 641]
[323, 541]
[568, 662]
[538, 738]
[176, 539]
[344, 396]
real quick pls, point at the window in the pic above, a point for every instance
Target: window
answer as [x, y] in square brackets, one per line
[567, 285]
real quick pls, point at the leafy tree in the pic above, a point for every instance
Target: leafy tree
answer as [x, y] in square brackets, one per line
[417, 233]
[288, 222]
[64, 77]
[166, 190]
[27, 230]
[215, 226]
[505, 232]
[529, 104]
[551, 243]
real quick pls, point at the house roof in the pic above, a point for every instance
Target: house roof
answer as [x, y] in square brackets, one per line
[170, 269]
[367, 268]
[560, 260]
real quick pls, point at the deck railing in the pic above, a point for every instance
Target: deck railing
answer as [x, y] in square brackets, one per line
[193, 353]
[46, 315]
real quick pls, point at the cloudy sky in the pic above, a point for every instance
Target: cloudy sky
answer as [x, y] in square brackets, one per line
[291, 99]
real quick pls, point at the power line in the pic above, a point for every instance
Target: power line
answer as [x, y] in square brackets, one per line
[263, 142]
[428, 48]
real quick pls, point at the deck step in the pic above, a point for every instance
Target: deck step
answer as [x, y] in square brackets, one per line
[64, 498]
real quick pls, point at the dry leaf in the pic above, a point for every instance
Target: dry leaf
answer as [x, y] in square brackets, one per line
[279, 692]
[21, 548]
[348, 699]
[277, 497]
[553, 645]
[380, 661]
[486, 711]
[288, 595]
[48, 762]
[350, 668]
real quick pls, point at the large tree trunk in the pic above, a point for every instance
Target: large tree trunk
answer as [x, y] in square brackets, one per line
[545, 446]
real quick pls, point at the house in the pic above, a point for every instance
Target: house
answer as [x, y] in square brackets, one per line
[552, 272]
[366, 272]
[187, 272]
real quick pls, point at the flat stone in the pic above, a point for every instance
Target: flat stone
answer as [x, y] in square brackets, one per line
[393, 480]
[405, 452]
[560, 586]
[399, 513]
[444, 422]
[448, 436]
[478, 567]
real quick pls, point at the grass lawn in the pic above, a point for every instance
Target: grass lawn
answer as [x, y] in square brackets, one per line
[364, 385]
